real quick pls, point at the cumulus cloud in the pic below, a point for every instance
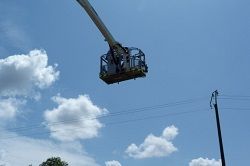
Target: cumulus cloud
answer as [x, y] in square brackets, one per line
[9, 108]
[154, 146]
[24, 151]
[205, 162]
[113, 163]
[21, 74]
[74, 118]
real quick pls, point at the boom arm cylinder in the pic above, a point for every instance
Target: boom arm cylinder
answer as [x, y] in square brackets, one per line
[98, 22]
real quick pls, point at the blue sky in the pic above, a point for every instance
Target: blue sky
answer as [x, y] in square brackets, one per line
[49, 65]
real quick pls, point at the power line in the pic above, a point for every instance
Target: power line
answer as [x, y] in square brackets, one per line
[119, 113]
[236, 96]
[235, 109]
[120, 122]
[156, 117]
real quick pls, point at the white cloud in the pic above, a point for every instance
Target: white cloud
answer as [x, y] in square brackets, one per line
[155, 146]
[113, 163]
[9, 108]
[24, 151]
[169, 133]
[20, 75]
[14, 35]
[76, 117]
[2, 154]
[205, 162]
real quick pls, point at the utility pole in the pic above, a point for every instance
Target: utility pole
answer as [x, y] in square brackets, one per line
[213, 103]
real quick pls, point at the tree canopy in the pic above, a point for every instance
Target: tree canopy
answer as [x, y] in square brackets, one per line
[54, 161]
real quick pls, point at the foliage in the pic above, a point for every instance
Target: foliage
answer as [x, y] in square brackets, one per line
[54, 161]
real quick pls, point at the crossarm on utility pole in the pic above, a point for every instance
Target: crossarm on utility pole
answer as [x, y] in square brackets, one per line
[98, 22]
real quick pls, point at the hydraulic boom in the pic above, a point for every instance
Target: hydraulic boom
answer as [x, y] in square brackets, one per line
[98, 22]
[120, 63]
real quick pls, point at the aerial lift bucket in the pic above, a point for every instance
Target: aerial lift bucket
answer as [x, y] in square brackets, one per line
[131, 66]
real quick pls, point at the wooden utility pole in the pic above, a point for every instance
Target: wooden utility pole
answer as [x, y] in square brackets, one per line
[214, 103]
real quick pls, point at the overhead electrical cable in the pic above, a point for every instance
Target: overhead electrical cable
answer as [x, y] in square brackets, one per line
[236, 109]
[119, 113]
[118, 122]
[235, 96]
